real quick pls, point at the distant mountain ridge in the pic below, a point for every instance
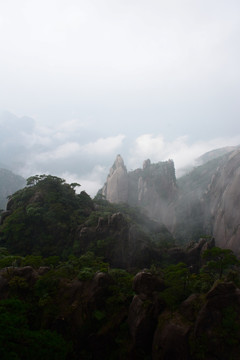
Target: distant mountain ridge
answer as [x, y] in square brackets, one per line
[9, 183]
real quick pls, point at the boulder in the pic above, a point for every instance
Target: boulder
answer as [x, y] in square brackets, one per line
[191, 306]
[171, 338]
[26, 272]
[144, 311]
[142, 321]
[146, 283]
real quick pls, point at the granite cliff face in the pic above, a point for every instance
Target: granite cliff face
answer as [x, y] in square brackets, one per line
[116, 188]
[153, 187]
[223, 200]
[208, 202]
[203, 202]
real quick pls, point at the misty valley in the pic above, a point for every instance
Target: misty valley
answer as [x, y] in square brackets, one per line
[147, 269]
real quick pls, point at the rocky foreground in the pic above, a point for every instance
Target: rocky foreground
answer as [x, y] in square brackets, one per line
[203, 326]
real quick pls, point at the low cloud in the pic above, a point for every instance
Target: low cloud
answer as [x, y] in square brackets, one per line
[183, 153]
[104, 146]
[90, 182]
[73, 152]
[63, 151]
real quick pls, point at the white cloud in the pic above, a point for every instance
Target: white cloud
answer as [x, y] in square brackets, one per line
[90, 182]
[36, 139]
[180, 150]
[71, 126]
[104, 146]
[100, 147]
[63, 151]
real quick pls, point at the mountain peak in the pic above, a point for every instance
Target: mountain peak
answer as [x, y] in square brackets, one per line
[118, 162]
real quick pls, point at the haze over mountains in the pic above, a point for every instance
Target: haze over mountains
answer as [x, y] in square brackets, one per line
[28, 149]
[79, 152]
[203, 202]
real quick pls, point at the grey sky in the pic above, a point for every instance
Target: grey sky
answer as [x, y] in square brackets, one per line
[149, 78]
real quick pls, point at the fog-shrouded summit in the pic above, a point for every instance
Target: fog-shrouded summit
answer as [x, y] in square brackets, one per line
[153, 187]
[116, 188]
[203, 202]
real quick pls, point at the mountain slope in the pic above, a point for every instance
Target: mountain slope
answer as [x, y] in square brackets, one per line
[9, 183]
[223, 202]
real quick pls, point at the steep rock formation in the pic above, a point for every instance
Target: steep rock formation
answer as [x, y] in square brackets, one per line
[116, 187]
[191, 206]
[153, 188]
[222, 201]
[208, 202]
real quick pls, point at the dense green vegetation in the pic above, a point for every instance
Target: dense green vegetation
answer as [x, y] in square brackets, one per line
[18, 340]
[61, 295]
[47, 218]
[44, 217]
[39, 316]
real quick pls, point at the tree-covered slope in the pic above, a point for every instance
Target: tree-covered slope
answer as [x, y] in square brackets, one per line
[48, 218]
[43, 217]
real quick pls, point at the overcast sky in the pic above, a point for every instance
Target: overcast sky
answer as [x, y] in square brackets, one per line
[89, 79]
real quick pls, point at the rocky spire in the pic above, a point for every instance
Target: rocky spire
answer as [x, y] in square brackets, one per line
[116, 188]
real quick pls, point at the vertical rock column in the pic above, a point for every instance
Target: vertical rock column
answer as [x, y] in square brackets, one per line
[116, 188]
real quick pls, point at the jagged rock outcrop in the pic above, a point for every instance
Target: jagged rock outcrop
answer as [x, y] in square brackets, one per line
[153, 188]
[208, 202]
[116, 188]
[203, 202]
